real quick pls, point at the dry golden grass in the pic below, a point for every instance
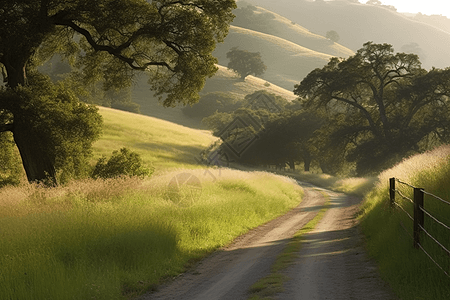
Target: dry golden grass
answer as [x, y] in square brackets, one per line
[409, 271]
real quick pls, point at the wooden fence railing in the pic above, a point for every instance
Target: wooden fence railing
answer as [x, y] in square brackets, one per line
[418, 217]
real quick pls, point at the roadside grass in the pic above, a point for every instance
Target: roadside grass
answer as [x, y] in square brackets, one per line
[358, 186]
[272, 284]
[409, 271]
[118, 238]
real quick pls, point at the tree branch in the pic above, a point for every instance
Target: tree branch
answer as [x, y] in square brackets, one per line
[115, 51]
[360, 108]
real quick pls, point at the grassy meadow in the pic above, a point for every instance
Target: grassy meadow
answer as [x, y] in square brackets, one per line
[117, 238]
[409, 271]
[113, 239]
[161, 144]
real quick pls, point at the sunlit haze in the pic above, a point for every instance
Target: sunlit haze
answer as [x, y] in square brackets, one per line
[429, 7]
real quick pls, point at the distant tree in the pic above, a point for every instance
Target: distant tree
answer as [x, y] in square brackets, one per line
[415, 49]
[245, 63]
[332, 35]
[384, 105]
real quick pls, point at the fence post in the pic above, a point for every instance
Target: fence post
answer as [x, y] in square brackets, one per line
[392, 191]
[418, 215]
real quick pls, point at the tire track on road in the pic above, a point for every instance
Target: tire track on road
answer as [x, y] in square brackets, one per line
[332, 262]
[230, 271]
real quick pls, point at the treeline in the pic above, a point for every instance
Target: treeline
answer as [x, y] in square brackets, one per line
[356, 116]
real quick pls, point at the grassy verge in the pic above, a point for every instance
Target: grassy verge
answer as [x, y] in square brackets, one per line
[410, 272]
[114, 239]
[358, 186]
[272, 284]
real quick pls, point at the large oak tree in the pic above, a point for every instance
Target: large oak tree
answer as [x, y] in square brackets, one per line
[172, 40]
[380, 105]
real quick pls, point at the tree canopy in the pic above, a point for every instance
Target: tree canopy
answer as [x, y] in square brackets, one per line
[245, 63]
[380, 105]
[171, 40]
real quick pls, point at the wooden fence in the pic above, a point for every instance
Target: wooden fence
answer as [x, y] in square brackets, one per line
[418, 217]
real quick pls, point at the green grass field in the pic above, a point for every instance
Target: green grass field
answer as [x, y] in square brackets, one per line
[161, 144]
[409, 271]
[117, 238]
[112, 239]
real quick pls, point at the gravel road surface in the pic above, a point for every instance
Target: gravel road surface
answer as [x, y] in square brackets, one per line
[332, 263]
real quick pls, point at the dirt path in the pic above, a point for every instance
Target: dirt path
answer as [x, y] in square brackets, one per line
[229, 272]
[333, 263]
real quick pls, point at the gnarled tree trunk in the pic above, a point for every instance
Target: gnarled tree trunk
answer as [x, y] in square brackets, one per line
[36, 161]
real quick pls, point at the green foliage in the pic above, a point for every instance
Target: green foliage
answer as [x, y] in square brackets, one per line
[409, 271]
[211, 103]
[65, 127]
[285, 139]
[10, 169]
[118, 238]
[245, 63]
[272, 132]
[125, 162]
[264, 100]
[104, 41]
[247, 18]
[379, 106]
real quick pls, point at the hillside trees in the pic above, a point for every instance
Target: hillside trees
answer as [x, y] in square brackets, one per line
[210, 103]
[247, 18]
[245, 63]
[381, 105]
[106, 40]
[287, 139]
[267, 130]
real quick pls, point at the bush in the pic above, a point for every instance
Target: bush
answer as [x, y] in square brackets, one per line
[125, 162]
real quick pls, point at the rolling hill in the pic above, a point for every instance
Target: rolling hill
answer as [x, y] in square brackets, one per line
[289, 50]
[287, 63]
[359, 23]
[223, 81]
[162, 144]
[277, 25]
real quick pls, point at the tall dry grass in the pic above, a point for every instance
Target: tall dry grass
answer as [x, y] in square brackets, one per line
[411, 273]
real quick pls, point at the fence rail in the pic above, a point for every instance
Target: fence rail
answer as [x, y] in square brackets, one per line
[418, 217]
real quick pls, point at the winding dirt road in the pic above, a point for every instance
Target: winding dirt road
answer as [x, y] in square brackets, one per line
[332, 263]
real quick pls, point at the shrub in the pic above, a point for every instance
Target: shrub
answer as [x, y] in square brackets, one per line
[125, 162]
